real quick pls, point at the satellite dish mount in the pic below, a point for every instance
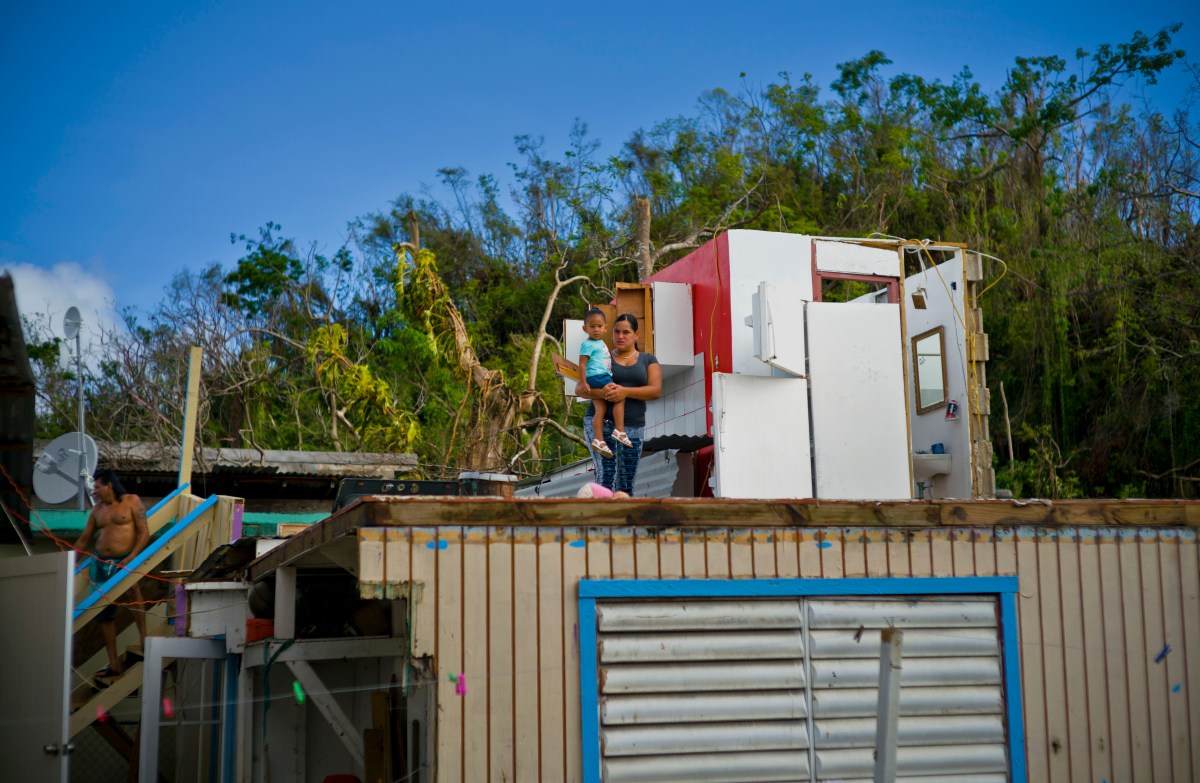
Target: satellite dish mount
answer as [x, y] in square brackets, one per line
[71, 323]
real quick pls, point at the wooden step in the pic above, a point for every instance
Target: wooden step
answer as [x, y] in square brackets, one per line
[118, 689]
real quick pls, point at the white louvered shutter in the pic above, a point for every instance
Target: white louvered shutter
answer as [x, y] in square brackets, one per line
[718, 691]
[709, 691]
[951, 725]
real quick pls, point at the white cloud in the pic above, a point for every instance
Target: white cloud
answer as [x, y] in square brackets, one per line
[43, 296]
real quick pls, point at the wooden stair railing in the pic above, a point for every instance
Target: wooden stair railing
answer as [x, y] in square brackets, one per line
[163, 513]
[178, 534]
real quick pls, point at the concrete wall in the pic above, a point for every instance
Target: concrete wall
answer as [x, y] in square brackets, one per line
[1109, 626]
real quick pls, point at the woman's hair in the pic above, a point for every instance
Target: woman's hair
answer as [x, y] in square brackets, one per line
[630, 319]
[596, 311]
[109, 477]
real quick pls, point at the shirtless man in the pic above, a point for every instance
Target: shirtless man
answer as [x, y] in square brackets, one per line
[118, 523]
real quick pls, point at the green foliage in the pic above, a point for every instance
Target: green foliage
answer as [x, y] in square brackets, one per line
[1094, 329]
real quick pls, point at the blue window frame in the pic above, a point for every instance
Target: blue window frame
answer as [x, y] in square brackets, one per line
[1003, 587]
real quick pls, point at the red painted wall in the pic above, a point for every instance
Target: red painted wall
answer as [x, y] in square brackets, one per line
[707, 269]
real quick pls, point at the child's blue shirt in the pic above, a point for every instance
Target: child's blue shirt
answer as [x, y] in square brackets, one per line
[599, 359]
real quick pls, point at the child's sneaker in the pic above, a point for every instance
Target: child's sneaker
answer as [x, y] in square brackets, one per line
[620, 437]
[603, 448]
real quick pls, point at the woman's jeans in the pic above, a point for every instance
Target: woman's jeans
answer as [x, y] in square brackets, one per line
[618, 473]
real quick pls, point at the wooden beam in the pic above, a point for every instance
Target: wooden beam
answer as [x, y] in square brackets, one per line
[285, 603]
[189, 416]
[332, 711]
[328, 650]
[129, 681]
[377, 511]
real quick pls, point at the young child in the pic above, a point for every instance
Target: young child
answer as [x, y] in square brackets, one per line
[595, 369]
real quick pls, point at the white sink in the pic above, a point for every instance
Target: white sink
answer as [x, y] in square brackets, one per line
[926, 466]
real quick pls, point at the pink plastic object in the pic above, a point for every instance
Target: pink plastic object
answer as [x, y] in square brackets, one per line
[594, 490]
[460, 685]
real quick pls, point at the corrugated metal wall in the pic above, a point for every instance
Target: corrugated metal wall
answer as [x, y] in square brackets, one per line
[1109, 621]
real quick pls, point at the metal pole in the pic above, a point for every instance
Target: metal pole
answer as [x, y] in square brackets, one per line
[888, 714]
[83, 466]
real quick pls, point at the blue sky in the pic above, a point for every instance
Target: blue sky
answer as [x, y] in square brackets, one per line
[138, 135]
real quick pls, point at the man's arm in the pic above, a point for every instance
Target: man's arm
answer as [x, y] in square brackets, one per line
[141, 529]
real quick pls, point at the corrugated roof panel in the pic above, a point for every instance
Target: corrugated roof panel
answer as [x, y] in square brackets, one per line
[662, 474]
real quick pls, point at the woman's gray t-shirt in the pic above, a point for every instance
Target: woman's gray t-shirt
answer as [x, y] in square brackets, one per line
[633, 376]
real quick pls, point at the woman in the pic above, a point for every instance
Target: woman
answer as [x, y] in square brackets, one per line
[636, 379]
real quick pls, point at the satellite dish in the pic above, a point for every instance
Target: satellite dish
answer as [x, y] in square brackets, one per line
[56, 472]
[71, 322]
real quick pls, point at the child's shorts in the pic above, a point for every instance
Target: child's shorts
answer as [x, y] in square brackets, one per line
[599, 381]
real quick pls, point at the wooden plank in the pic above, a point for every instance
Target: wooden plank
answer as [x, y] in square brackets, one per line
[372, 579]
[550, 652]
[423, 604]
[897, 552]
[725, 513]
[188, 446]
[720, 512]
[1175, 662]
[574, 567]
[833, 561]
[599, 553]
[397, 569]
[1075, 661]
[526, 663]
[1115, 666]
[623, 564]
[695, 553]
[741, 554]
[1054, 693]
[854, 552]
[1034, 692]
[670, 553]
[327, 704]
[877, 552]
[787, 553]
[808, 543]
[1157, 686]
[500, 677]
[1091, 620]
[920, 553]
[375, 749]
[1189, 572]
[985, 551]
[1135, 654]
[449, 655]
[962, 551]
[645, 553]
[475, 712]
[940, 557]
[762, 542]
[718, 554]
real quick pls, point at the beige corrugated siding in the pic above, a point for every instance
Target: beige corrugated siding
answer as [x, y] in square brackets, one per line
[1109, 627]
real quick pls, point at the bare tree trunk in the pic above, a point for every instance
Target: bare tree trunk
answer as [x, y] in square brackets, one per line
[530, 393]
[642, 235]
[414, 229]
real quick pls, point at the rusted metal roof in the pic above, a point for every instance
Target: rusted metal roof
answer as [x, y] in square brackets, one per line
[138, 457]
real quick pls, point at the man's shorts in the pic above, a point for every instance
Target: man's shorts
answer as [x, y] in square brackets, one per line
[103, 570]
